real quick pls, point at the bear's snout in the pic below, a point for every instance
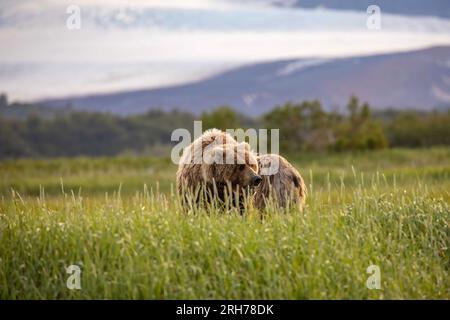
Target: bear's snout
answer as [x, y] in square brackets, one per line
[256, 180]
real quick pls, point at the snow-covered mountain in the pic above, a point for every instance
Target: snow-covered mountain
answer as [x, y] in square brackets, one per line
[418, 79]
[438, 8]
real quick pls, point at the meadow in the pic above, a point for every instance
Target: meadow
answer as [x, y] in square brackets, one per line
[120, 221]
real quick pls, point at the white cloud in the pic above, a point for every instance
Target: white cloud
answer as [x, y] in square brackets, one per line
[175, 4]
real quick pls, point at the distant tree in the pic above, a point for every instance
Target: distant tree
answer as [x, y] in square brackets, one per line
[221, 118]
[27, 130]
[12, 145]
[414, 129]
[360, 131]
[437, 128]
[303, 126]
[287, 119]
[3, 100]
[406, 130]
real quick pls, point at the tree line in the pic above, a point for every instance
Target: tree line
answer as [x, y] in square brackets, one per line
[305, 126]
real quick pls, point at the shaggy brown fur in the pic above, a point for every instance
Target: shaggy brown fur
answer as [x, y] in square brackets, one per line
[204, 166]
[285, 186]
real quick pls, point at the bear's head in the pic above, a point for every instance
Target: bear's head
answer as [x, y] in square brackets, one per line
[233, 164]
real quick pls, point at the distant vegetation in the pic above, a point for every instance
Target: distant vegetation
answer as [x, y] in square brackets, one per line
[35, 131]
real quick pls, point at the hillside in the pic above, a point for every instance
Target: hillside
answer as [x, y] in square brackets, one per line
[417, 79]
[440, 8]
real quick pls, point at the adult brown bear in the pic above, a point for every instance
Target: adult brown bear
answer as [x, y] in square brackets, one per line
[216, 167]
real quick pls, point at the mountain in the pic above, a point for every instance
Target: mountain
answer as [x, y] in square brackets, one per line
[417, 79]
[439, 8]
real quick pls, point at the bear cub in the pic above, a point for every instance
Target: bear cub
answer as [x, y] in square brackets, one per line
[281, 184]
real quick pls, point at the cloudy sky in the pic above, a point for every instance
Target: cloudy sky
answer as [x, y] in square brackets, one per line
[141, 44]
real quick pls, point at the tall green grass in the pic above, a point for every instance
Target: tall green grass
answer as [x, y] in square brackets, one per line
[137, 242]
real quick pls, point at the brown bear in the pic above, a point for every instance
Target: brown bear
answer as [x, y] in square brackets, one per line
[282, 185]
[216, 167]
